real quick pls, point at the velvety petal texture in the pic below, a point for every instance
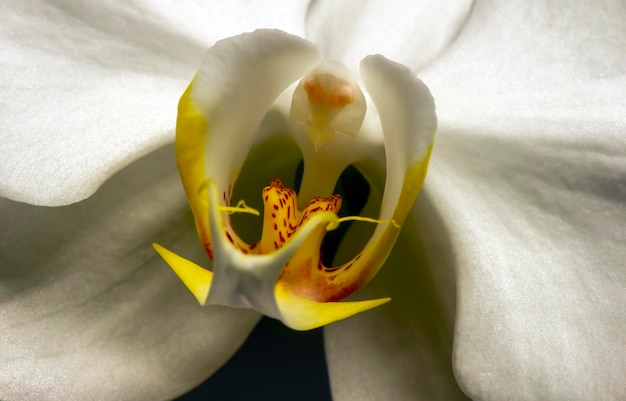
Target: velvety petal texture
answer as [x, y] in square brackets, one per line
[523, 210]
[540, 266]
[93, 87]
[528, 180]
[208, 21]
[89, 311]
[412, 33]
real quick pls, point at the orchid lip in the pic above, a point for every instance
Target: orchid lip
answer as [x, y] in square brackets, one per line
[251, 276]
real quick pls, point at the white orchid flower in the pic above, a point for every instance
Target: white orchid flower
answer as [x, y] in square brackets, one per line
[282, 275]
[509, 271]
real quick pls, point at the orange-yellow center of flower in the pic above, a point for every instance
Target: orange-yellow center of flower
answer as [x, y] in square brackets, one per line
[282, 218]
[304, 273]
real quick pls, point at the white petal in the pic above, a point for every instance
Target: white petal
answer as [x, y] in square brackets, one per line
[87, 89]
[401, 350]
[517, 60]
[528, 177]
[409, 122]
[90, 311]
[409, 32]
[207, 21]
[536, 234]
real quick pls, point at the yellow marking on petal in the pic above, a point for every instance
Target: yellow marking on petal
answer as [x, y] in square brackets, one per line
[306, 292]
[412, 185]
[305, 314]
[191, 132]
[196, 279]
[363, 267]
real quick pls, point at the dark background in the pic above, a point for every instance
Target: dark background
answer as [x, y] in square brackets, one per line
[275, 363]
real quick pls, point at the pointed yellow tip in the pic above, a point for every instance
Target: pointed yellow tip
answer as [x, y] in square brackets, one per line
[305, 314]
[196, 279]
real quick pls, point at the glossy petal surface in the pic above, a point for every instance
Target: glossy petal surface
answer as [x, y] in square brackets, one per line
[87, 309]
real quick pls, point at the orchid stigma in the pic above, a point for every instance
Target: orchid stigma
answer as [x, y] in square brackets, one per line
[282, 275]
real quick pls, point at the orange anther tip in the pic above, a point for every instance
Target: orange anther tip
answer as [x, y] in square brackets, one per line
[314, 88]
[341, 96]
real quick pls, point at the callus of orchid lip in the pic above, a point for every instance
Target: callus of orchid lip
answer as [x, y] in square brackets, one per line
[282, 275]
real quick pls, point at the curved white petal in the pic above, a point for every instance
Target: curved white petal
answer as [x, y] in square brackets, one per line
[408, 121]
[548, 61]
[89, 311]
[407, 115]
[528, 175]
[536, 236]
[221, 112]
[410, 32]
[87, 87]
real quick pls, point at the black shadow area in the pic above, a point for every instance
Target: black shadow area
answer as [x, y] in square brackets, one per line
[275, 363]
